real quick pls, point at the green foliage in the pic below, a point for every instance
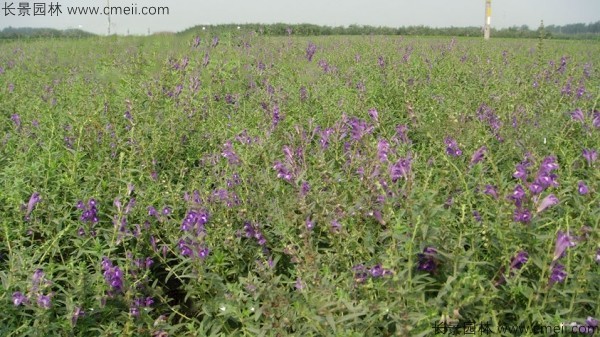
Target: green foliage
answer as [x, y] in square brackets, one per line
[155, 129]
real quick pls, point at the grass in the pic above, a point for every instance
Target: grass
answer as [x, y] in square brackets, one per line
[306, 213]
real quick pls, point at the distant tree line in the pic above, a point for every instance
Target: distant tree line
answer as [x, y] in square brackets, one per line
[570, 31]
[28, 32]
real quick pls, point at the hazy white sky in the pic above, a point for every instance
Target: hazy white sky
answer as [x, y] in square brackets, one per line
[394, 13]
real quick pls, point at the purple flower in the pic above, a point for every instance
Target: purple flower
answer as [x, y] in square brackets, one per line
[374, 115]
[558, 274]
[215, 42]
[548, 165]
[360, 273]
[336, 226]
[276, 116]
[44, 301]
[283, 172]
[590, 155]
[491, 190]
[90, 213]
[518, 194]
[376, 271]
[299, 284]
[229, 154]
[520, 172]
[577, 115]
[33, 200]
[519, 260]
[596, 119]
[359, 128]
[16, 119]
[383, 147]
[591, 322]
[310, 51]
[582, 188]
[304, 188]
[76, 315]
[400, 169]
[478, 155]
[536, 188]
[195, 220]
[401, 131]
[477, 216]
[196, 42]
[548, 201]
[324, 139]
[563, 241]
[309, 224]
[428, 260]
[522, 215]
[113, 275]
[452, 148]
[18, 298]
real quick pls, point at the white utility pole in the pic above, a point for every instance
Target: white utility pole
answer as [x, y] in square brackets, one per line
[488, 19]
[108, 5]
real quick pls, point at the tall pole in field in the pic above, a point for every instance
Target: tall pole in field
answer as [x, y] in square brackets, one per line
[488, 19]
[108, 6]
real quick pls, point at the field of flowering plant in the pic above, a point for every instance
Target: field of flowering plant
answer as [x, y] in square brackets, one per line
[221, 184]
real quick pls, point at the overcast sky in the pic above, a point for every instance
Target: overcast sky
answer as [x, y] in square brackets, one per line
[394, 13]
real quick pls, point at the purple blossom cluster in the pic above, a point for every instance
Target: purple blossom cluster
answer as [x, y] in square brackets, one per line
[37, 292]
[252, 230]
[452, 148]
[192, 244]
[112, 275]
[140, 303]
[486, 114]
[362, 273]
[310, 51]
[558, 272]
[89, 215]
[579, 116]
[544, 179]
[428, 260]
[516, 263]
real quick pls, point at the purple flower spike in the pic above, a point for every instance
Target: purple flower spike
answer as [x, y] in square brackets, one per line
[519, 260]
[374, 115]
[309, 224]
[563, 241]
[19, 299]
[522, 215]
[520, 172]
[518, 194]
[383, 147]
[427, 260]
[76, 315]
[582, 188]
[401, 169]
[558, 274]
[310, 51]
[577, 115]
[596, 119]
[548, 201]
[478, 155]
[44, 301]
[491, 190]
[590, 155]
[452, 148]
[33, 200]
